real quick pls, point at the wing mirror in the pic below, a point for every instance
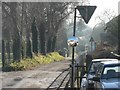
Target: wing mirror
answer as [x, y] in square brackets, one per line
[96, 79]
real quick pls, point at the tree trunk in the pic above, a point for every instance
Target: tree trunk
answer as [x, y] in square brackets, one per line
[29, 49]
[34, 37]
[42, 39]
[16, 34]
[17, 48]
[8, 51]
[119, 35]
[49, 45]
[3, 54]
[23, 51]
[53, 43]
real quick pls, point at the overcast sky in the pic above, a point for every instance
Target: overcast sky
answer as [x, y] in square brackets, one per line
[101, 6]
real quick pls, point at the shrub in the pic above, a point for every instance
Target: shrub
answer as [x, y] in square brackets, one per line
[55, 56]
[29, 63]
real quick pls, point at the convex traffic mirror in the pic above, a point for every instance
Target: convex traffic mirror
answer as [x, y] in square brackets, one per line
[72, 41]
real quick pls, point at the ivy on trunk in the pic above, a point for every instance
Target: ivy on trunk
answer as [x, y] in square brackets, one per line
[29, 48]
[17, 47]
[42, 38]
[34, 37]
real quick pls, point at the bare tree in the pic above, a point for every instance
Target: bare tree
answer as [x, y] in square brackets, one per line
[18, 19]
[107, 15]
[11, 12]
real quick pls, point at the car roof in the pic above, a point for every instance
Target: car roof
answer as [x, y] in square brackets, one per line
[111, 62]
[101, 60]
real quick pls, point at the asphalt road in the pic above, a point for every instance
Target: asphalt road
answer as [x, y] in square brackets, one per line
[40, 77]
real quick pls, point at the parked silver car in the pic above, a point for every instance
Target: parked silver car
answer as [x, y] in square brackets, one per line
[107, 76]
[88, 83]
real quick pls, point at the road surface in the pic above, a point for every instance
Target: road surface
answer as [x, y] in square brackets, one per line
[41, 77]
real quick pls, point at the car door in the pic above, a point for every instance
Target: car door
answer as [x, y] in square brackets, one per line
[98, 84]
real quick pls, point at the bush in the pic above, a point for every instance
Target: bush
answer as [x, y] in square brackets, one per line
[29, 63]
[55, 56]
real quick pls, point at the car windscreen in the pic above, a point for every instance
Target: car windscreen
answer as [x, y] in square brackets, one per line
[111, 72]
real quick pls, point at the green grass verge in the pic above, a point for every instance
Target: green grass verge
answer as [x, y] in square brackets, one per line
[29, 63]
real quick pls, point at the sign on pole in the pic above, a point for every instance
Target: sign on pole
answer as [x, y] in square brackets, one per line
[91, 39]
[86, 12]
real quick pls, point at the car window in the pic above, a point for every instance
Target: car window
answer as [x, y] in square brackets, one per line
[111, 72]
[93, 67]
[117, 69]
